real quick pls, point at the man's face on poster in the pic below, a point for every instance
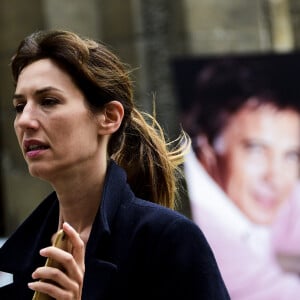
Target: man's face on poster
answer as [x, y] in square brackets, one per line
[258, 158]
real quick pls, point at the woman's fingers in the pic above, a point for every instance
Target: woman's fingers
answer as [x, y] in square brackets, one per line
[52, 290]
[66, 260]
[72, 262]
[49, 274]
[77, 244]
[66, 277]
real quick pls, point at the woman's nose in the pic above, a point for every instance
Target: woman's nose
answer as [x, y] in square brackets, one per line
[27, 119]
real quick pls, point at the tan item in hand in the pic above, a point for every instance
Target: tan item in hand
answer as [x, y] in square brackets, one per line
[61, 241]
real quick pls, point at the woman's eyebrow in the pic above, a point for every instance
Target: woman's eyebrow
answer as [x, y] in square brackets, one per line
[17, 97]
[46, 89]
[37, 92]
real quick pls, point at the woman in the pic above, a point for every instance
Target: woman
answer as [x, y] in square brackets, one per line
[79, 130]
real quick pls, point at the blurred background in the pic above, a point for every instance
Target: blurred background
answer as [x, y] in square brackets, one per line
[148, 35]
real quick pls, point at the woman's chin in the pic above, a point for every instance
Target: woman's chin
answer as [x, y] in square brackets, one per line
[40, 173]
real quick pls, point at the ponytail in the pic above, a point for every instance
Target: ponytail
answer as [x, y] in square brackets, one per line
[152, 165]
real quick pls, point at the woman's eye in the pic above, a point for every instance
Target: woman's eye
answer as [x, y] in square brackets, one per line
[49, 101]
[19, 108]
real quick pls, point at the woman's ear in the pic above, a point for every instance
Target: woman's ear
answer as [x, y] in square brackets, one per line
[111, 117]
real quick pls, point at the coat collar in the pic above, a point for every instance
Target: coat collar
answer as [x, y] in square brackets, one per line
[100, 267]
[115, 191]
[20, 254]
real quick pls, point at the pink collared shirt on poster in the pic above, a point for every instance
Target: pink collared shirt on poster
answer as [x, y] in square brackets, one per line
[247, 253]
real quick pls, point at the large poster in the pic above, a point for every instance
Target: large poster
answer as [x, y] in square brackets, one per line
[243, 116]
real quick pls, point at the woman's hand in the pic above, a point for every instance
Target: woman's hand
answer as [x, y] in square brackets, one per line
[67, 284]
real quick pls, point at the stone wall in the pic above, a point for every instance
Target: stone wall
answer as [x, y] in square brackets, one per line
[146, 34]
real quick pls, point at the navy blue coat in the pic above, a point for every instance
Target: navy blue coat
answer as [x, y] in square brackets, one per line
[136, 250]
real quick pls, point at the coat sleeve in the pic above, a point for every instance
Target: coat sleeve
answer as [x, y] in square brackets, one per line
[186, 264]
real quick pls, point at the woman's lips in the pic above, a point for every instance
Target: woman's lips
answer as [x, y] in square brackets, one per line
[35, 151]
[33, 148]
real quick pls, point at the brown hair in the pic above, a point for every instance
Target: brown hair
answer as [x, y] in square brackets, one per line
[139, 146]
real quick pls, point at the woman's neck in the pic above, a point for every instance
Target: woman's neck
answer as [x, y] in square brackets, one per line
[79, 199]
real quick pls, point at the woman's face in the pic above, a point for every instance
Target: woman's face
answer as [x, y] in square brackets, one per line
[56, 131]
[259, 159]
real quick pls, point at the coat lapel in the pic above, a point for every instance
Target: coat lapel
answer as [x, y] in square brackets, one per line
[101, 267]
